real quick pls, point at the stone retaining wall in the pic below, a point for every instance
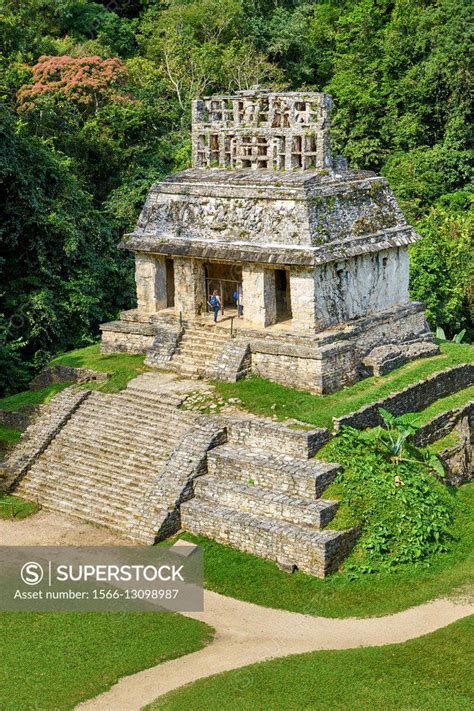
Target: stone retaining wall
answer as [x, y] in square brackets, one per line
[127, 337]
[41, 433]
[412, 398]
[18, 420]
[441, 425]
[166, 341]
[66, 373]
[275, 437]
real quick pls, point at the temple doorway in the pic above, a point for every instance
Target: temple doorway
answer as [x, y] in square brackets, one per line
[226, 279]
[169, 264]
[282, 295]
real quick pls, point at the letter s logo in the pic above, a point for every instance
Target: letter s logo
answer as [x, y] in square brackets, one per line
[32, 573]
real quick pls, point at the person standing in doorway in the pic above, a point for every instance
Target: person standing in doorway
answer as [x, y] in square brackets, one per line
[215, 303]
[240, 301]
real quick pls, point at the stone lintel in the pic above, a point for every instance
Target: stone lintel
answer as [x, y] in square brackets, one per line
[271, 253]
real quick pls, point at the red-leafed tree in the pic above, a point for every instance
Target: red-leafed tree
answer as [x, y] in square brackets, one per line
[89, 81]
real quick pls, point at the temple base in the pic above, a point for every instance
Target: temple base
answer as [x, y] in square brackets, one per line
[321, 362]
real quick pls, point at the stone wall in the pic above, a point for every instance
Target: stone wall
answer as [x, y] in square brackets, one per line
[352, 288]
[66, 373]
[41, 433]
[166, 341]
[275, 437]
[18, 420]
[127, 337]
[458, 461]
[291, 371]
[384, 359]
[412, 398]
[234, 361]
[441, 425]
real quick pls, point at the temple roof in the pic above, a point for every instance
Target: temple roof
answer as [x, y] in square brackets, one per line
[292, 217]
[265, 188]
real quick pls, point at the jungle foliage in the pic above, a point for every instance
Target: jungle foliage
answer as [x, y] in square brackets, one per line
[96, 106]
[388, 488]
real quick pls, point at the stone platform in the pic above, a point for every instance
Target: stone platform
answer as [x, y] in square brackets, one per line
[229, 350]
[136, 463]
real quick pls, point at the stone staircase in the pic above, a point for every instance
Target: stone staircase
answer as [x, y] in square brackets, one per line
[198, 351]
[101, 464]
[269, 505]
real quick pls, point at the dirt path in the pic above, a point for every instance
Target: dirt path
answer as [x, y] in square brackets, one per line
[47, 528]
[247, 633]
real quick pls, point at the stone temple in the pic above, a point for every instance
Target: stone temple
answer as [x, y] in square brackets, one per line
[310, 261]
[316, 252]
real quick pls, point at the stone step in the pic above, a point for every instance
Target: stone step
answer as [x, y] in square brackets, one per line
[205, 347]
[314, 552]
[208, 335]
[141, 398]
[48, 477]
[96, 459]
[120, 505]
[115, 491]
[137, 415]
[195, 357]
[262, 502]
[120, 437]
[278, 473]
[195, 360]
[114, 522]
[190, 369]
[124, 422]
[136, 400]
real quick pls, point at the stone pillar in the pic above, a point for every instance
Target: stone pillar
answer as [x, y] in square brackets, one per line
[258, 285]
[150, 278]
[303, 301]
[189, 287]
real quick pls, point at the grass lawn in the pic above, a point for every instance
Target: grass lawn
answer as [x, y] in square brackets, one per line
[8, 435]
[31, 398]
[121, 366]
[451, 402]
[55, 660]
[258, 395]
[446, 442]
[247, 577]
[14, 507]
[431, 673]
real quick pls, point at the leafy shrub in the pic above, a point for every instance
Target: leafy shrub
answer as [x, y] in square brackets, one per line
[404, 512]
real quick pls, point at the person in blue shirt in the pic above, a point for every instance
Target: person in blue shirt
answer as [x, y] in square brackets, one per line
[215, 303]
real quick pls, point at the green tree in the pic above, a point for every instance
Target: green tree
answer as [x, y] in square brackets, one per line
[442, 265]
